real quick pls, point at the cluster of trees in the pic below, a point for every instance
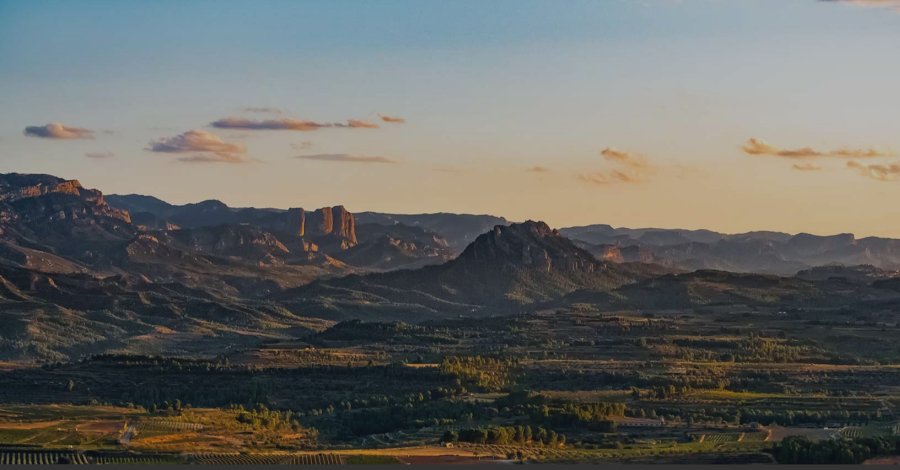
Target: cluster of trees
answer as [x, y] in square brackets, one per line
[764, 416]
[592, 416]
[760, 349]
[818, 417]
[541, 410]
[507, 435]
[799, 450]
[483, 373]
[381, 400]
[175, 407]
[389, 332]
[348, 425]
[754, 348]
[150, 381]
[592, 379]
[261, 417]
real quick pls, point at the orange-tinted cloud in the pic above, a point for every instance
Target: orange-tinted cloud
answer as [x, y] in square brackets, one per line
[56, 130]
[210, 147]
[631, 168]
[287, 124]
[358, 123]
[878, 172]
[539, 169]
[806, 167]
[627, 159]
[755, 146]
[608, 177]
[346, 158]
[392, 119]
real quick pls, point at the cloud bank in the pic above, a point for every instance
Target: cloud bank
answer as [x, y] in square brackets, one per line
[288, 124]
[56, 130]
[755, 146]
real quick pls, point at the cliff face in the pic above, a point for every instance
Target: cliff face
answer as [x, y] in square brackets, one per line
[330, 228]
[44, 206]
[335, 223]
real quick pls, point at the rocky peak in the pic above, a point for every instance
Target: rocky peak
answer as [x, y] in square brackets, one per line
[807, 244]
[529, 244]
[337, 222]
[334, 224]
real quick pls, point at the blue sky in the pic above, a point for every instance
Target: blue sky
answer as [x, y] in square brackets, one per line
[507, 106]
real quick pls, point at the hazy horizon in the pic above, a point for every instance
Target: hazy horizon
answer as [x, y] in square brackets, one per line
[695, 114]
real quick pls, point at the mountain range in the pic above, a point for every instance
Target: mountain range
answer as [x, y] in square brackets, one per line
[82, 273]
[757, 252]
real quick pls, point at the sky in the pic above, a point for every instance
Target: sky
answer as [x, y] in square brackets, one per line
[727, 115]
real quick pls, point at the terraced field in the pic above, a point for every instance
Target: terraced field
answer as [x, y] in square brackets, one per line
[729, 437]
[156, 426]
[855, 432]
[749, 442]
[137, 459]
[47, 457]
[16, 457]
[239, 459]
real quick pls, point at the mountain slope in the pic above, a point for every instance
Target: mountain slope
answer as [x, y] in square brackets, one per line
[502, 270]
[458, 229]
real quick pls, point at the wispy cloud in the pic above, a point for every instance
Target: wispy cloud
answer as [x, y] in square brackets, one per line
[538, 169]
[56, 130]
[210, 147]
[608, 177]
[755, 146]
[289, 124]
[99, 155]
[878, 172]
[346, 158]
[392, 119]
[630, 160]
[806, 167]
[629, 168]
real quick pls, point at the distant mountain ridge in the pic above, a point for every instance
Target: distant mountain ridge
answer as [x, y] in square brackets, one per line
[757, 251]
[760, 252]
[414, 240]
[458, 229]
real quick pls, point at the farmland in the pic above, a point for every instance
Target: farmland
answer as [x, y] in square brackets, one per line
[553, 386]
